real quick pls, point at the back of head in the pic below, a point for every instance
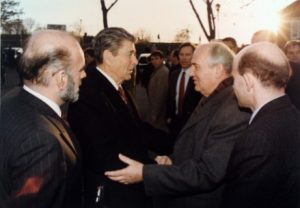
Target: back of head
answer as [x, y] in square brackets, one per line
[231, 43]
[264, 35]
[110, 39]
[90, 52]
[45, 53]
[266, 62]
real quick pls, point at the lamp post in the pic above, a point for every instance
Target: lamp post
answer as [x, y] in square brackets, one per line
[218, 6]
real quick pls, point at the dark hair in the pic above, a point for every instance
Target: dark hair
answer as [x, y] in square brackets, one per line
[220, 53]
[90, 52]
[186, 44]
[110, 39]
[268, 72]
[175, 53]
[157, 53]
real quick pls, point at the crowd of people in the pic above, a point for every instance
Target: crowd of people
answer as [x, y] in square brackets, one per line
[221, 131]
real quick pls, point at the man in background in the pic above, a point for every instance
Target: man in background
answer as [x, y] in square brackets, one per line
[182, 98]
[39, 157]
[292, 51]
[158, 92]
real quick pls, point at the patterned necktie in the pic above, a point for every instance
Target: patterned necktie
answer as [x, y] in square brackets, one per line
[122, 94]
[181, 93]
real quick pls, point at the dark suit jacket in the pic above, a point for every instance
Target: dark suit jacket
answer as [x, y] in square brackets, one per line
[293, 86]
[39, 161]
[191, 99]
[264, 169]
[201, 154]
[106, 126]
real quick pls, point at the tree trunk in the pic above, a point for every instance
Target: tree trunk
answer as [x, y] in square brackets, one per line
[210, 18]
[105, 11]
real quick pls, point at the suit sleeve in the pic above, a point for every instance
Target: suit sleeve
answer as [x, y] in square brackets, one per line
[38, 172]
[199, 174]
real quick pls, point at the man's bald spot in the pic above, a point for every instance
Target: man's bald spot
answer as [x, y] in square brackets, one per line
[264, 50]
[264, 35]
[45, 41]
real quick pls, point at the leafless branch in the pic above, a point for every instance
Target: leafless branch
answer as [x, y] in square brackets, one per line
[112, 5]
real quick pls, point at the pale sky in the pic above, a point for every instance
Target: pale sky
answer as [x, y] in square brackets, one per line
[164, 17]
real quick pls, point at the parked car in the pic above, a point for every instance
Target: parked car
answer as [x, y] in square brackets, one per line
[141, 67]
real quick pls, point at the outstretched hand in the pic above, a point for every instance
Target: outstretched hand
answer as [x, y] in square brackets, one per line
[133, 173]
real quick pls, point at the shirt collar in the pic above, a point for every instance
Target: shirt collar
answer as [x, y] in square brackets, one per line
[116, 86]
[54, 106]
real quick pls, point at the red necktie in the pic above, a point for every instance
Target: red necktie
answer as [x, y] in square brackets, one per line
[122, 94]
[181, 93]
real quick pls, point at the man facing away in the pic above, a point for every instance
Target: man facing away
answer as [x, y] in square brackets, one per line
[193, 176]
[264, 169]
[106, 122]
[39, 158]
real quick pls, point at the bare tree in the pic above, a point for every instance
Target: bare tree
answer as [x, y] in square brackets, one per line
[77, 28]
[10, 15]
[17, 27]
[105, 11]
[211, 32]
[182, 36]
[142, 35]
[29, 24]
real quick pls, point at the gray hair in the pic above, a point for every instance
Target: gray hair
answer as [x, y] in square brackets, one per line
[39, 56]
[221, 54]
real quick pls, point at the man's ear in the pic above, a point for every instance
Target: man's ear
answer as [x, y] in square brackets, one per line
[249, 80]
[219, 71]
[61, 79]
[107, 57]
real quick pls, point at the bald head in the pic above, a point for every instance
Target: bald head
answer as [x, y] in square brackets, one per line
[47, 52]
[264, 35]
[266, 62]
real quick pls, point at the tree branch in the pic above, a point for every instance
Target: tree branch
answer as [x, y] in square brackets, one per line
[112, 5]
[199, 19]
[247, 4]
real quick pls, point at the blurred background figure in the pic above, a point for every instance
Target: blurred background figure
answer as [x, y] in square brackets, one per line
[173, 63]
[292, 50]
[264, 35]
[231, 43]
[90, 60]
[158, 91]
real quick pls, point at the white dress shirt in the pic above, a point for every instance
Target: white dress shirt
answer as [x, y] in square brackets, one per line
[186, 80]
[46, 100]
